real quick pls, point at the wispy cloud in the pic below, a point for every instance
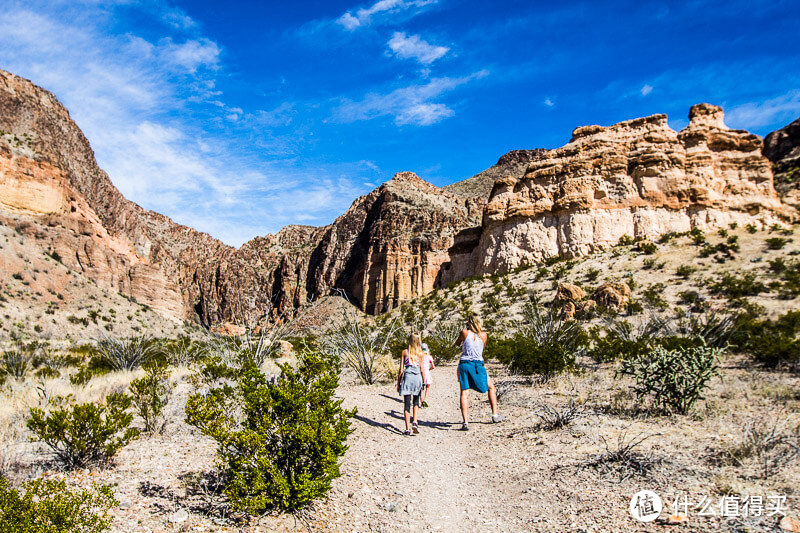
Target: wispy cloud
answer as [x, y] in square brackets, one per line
[136, 99]
[383, 9]
[548, 102]
[413, 47]
[753, 115]
[646, 89]
[408, 105]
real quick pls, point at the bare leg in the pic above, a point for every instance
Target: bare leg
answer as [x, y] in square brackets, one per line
[492, 397]
[464, 405]
[407, 412]
[425, 393]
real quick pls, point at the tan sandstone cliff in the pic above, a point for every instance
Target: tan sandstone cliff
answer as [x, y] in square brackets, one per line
[638, 178]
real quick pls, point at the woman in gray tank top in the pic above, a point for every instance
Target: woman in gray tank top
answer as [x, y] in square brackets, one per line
[471, 370]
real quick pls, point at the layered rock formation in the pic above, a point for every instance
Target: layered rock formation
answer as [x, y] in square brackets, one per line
[637, 178]
[402, 240]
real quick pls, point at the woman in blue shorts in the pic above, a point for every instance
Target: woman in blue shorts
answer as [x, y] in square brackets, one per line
[471, 371]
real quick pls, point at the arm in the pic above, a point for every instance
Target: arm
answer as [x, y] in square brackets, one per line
[402, 369]
[484, 337]
[461, 337]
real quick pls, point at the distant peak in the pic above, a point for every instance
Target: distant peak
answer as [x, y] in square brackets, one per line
[520, 156]
[707, 115]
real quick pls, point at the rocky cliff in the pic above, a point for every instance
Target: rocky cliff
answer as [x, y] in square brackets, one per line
[638, 178]
[402, 240]
[782, 147]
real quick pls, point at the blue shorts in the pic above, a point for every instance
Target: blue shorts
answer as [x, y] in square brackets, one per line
[472, 375]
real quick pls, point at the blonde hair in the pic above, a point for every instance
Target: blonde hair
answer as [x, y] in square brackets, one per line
[474, 324]
[415, 352]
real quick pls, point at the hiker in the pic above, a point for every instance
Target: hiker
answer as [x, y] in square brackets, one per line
[471, 371]
[409, 381]
[427, 377]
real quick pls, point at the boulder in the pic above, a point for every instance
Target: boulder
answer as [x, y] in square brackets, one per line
[567, 292]
[612, 295]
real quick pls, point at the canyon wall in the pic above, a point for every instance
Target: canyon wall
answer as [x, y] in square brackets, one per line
[400, 241]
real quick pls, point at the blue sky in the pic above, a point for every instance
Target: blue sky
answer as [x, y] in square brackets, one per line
[238, 118]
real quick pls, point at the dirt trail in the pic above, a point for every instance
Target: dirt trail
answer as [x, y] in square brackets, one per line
[438, 480]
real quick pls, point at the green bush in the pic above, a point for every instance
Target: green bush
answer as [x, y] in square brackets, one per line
[776, 243]
[675, 378]
[150, 394]
[685, 271]
[523, 354]
[48, 506]
[738, 286]
[751, 228]
[281, 442]
[648, 248]
[84, 434]
[625, 240]
[697, 235]
[772, 343]
[544, 343]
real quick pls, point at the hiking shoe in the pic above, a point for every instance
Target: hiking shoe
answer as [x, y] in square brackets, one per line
[415, 429]
[464, 427]
[407, 433]
[496, 419]
[424, 403]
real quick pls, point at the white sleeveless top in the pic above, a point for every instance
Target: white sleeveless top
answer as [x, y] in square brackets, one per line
[472, 349]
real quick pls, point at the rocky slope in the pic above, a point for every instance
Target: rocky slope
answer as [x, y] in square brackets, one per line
[782, 147]
[402, 240]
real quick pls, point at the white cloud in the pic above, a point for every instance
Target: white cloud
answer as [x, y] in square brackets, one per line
[646, 89]
[135, 100]
[413, 47]
[753, 115]
[408, 105]
[364, 16]
[548, 102]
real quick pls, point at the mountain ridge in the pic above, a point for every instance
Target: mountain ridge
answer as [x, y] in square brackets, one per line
[400, 241]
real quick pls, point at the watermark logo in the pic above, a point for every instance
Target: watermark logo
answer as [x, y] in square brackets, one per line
[645, 506]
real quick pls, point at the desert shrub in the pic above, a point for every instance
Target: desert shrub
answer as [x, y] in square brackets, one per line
[150, 394]
[183, 351]
[654, 296]
[441, 340]
[249, 348]
[715, 328]
[84, 434]
[360, 346]
[625, 240]
[48, 506]
[624, 458]
[751, 228]
[770, 445]
[776, 243]
[772, 343]
[685, 271]
[675, 378]
[592, 274]
[735, 286]
[648, 247]
[16, 363]
[552, 418]
[622, 340]
[125, 354]
[279, 442]
[544, 344]
[697, 235]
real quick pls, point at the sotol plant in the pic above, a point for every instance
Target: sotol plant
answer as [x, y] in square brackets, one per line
[280, 442]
